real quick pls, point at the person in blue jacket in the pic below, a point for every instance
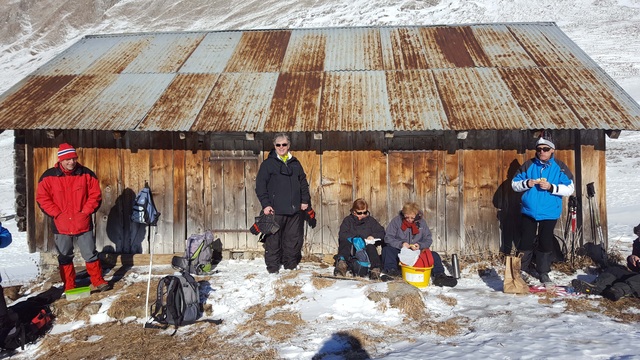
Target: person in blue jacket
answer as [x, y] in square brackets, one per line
[6, 319]
[543, 180]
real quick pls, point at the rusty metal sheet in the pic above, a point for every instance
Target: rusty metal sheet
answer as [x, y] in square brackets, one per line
[306, 51]
[597, 106]
[402, 49]
[414, 101]
[180, 104]
[296, 102]
[357, 49]
[238, 102]
[538, 100]
[259, 51]
[66, 104]
[549, 47]
[452, 47]
[213, 53]
[501, 47]
[76, 59]
[16, 108]
[354, 101]
[124, 104]
[120, 55]
[478, 99]
[166, 53]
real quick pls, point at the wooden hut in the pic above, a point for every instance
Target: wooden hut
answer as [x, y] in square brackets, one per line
[440, 115]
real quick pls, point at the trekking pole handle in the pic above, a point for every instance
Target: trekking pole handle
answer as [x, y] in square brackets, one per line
[591, 191]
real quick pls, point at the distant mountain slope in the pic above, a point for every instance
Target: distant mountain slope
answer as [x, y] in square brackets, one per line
[33, 31]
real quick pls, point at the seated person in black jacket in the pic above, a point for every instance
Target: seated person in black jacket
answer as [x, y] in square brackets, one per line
[359, 224]
[616, 281]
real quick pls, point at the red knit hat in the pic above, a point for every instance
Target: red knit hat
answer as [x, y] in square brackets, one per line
[66, 151]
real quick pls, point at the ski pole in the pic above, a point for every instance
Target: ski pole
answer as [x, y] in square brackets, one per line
[146, 304]
[597, 226]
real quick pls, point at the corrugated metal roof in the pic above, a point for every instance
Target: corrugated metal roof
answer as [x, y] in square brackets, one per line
[406, 78]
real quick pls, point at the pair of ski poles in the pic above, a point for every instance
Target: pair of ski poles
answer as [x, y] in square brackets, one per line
[596, 225]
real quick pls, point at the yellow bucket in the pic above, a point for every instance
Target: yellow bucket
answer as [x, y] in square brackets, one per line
[418, 277]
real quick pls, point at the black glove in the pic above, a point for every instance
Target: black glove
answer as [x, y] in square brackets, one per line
[255, 230]
[265, 224]
[310, 216]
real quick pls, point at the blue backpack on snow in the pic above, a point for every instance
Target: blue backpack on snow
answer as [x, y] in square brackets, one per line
[359, 262]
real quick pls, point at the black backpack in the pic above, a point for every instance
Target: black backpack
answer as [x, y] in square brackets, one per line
[177, 301]
[144, 210]
[33, 320]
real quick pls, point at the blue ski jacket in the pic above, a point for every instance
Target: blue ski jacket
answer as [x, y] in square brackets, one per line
[538, 203]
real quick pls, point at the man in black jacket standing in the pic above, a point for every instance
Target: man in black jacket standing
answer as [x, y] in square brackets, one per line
[283, 190]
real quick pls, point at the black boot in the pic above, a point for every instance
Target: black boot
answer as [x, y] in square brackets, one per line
[525, 262]
[441, 279]
[617, 291]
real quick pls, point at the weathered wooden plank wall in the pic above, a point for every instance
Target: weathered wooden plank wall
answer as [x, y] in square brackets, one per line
[208, 182]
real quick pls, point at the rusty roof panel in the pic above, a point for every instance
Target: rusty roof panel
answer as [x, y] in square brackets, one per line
[354, 101]
[166, 53]
[536, 98]
[19, 105]
[402, 49]
[180, 104]
[501, 47]
[452, 47]
[238, 102]
[259, 51]
[296, 102]
[76, 59]
[119, 56]
[595, 104]
[478, 99]
[213, 53]
[123, 105]
[548, 47]
[414, 101]
[67, 103]
[306, 52]
[359, 49]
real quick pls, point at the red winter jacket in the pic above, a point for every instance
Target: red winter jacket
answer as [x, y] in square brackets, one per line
[69, 198]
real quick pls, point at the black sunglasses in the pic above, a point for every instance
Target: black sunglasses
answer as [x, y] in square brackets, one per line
[366, 212]
[285, 145]
[543, 149]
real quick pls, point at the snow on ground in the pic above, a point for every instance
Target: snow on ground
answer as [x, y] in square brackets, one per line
[500, 325]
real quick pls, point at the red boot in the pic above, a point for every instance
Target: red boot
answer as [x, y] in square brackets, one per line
[95, 273]
[68, 276]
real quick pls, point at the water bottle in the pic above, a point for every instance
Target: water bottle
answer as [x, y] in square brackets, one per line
[455, 266]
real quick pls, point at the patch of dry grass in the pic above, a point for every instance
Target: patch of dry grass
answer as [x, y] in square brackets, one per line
[130, 341]
[447, 328]
[448, 300]
[320, 283]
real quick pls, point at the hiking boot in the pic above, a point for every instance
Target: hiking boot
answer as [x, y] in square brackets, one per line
[442, 279]
[526, 277]
[584, 287]
[545, 279]
[374, 274]
[392, 273]
[613, 293]
[341, 268]
[103, 287]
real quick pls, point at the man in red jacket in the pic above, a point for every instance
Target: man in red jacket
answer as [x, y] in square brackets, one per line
[70, 193]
